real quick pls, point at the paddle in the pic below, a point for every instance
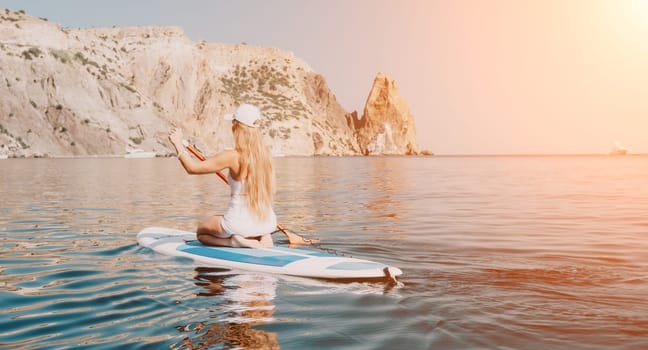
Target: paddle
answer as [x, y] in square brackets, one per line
[293, 238]
[195, 152]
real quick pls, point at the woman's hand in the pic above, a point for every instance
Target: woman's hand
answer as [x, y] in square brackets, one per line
[175, 136]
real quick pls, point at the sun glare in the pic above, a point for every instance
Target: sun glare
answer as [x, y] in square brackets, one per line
[636, 13]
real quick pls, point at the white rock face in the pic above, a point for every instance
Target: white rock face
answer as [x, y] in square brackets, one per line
[101, 91]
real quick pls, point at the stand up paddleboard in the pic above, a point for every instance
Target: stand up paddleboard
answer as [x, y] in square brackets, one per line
[279, 260]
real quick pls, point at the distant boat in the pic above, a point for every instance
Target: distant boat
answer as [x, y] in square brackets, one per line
[618, 150]
[139, 153]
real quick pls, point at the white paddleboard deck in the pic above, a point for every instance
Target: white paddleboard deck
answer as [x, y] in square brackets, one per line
[279, 260]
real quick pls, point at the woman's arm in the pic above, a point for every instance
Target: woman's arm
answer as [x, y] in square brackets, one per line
[225, 159]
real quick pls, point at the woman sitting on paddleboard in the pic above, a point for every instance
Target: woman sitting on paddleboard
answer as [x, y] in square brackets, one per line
[249, 219]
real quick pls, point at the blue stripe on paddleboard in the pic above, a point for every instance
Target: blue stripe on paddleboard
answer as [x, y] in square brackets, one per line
[241, 255]
[353, 265]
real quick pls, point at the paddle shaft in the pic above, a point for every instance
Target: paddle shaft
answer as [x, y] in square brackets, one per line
[202, 158]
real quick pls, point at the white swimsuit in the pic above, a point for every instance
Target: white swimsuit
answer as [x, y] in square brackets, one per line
[238, 220]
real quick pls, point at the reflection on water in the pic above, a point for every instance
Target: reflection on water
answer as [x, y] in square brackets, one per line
[497, 252]
[245, 301]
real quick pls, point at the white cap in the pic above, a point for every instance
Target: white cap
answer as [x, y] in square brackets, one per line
[246, 114]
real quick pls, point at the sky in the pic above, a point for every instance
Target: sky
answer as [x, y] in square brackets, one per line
[479, 76]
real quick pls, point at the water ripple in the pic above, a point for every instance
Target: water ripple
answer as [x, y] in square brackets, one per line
[498, 252]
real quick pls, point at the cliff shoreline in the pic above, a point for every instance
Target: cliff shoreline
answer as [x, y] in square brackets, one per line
[101, 91]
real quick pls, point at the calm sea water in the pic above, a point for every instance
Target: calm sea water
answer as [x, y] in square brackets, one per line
[497, 253]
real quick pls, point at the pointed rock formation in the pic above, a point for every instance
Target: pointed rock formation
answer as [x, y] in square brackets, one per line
[386, 126]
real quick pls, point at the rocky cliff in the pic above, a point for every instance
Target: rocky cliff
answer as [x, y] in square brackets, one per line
[101, 91]
[386, 126]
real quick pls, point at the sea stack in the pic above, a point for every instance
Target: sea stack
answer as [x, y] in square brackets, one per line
[387, 125]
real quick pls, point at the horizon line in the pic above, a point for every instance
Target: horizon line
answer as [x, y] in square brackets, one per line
[537, 155]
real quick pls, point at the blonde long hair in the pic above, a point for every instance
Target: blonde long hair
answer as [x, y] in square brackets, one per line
[255, 160]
